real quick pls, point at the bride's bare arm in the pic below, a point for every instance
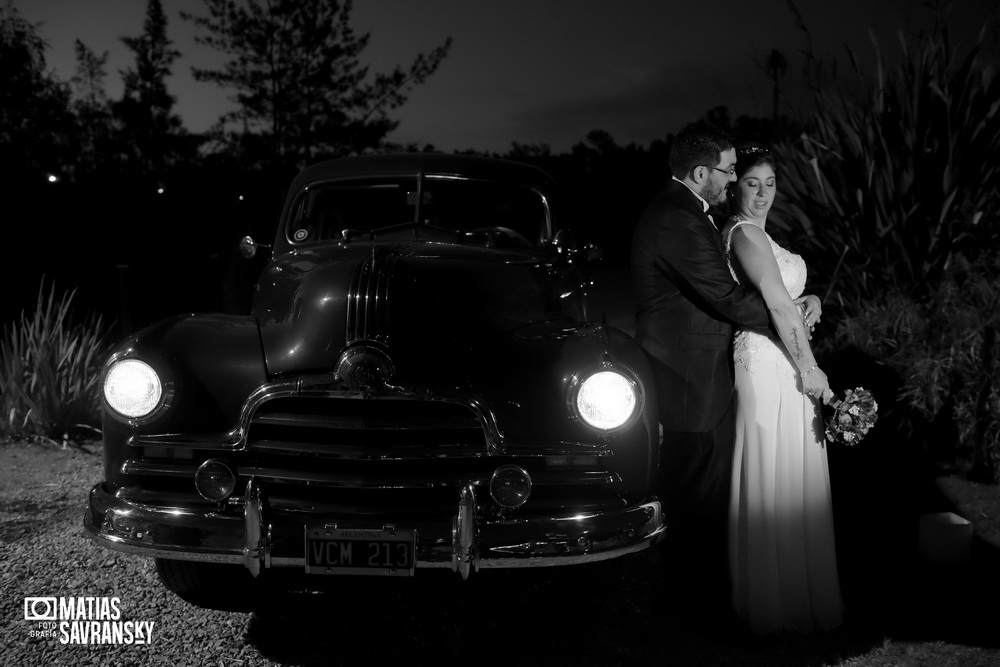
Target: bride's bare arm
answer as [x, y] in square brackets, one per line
[753, 250]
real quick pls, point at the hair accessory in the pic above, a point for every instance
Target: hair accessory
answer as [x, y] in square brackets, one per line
[751, 150]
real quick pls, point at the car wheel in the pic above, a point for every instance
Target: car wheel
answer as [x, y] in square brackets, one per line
[212, 585]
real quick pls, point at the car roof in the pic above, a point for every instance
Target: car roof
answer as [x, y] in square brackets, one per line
[410, 164]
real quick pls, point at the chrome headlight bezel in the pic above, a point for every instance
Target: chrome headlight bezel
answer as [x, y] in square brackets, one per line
[628, 380]
[164, 389]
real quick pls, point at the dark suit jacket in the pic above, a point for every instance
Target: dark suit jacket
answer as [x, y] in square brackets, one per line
[687, 304]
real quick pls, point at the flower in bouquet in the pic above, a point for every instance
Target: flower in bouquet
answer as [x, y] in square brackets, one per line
[853, 416]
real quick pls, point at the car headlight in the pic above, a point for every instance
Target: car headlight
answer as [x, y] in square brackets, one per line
[606, 400]
[132, 388]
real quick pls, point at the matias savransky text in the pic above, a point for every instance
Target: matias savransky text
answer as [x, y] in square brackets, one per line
[84, 620]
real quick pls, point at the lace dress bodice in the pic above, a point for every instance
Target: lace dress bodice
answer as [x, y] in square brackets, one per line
[750, 346]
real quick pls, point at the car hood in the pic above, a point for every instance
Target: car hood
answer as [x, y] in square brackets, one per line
[419, 302]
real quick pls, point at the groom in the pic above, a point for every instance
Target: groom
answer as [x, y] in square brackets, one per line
[687, 306]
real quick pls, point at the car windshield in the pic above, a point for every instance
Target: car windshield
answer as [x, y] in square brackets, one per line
[472, 208]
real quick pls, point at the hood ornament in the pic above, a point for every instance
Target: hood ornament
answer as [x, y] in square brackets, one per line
[364, 368]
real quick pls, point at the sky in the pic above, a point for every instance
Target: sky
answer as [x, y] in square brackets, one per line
[541, 71]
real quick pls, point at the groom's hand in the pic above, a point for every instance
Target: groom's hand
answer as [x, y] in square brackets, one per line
[812, 310]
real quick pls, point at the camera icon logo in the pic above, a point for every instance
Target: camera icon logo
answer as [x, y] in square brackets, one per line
[41, 609]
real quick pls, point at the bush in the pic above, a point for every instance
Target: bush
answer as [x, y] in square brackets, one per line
[50, 371]
[894, 197]
[945, 349]
[887, 190]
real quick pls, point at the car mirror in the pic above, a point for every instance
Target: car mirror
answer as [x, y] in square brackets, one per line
[564, 241]
[566, 245]
[594, 252]
[248, 247]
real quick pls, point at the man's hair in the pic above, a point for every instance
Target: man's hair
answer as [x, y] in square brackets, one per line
[699, 143]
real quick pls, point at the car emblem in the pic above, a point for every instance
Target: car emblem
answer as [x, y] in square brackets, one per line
[364, 368]
[366, 375]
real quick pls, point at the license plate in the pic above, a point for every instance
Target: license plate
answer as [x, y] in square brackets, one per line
[360, 551]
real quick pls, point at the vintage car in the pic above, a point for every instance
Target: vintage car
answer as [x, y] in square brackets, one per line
[419, 384]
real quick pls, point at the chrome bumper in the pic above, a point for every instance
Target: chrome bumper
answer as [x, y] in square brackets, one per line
[264, 537]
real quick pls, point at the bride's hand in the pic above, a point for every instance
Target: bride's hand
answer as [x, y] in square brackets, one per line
[816, 385]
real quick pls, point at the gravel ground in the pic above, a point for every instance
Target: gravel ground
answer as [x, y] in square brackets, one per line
[607, 615]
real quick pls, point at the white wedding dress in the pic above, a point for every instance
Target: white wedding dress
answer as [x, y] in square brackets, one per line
[782, 555]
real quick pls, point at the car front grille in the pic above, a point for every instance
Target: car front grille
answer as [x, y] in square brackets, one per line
[350, 428]
[355, 455]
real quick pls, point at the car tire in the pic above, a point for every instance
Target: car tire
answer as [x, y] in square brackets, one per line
[212, 585]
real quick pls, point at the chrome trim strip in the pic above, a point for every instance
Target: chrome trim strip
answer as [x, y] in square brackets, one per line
[207, 441]
[133, 467]
[541, 478]
[368, 299]
[354, 290]
[378, 313]
[265, 392]
[293, 420]
[549, 233]
[465, 534]
[256, 538]
[453, 452]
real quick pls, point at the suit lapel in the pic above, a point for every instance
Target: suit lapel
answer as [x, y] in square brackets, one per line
[692, 200]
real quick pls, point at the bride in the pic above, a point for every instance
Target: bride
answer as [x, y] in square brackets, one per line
[781, 543]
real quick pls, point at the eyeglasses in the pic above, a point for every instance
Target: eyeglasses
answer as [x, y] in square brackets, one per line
[730, 172]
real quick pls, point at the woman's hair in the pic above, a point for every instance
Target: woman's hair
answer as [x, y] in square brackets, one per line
[752, 155]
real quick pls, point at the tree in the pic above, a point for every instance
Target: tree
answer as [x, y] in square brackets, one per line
[35, 121]
[92, 108]
[88, 82]
[776, 66]
[301, 90]
[147, 125]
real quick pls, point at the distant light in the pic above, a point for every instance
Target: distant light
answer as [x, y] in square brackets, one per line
[241, 197]
[159, 191]
[52, 178]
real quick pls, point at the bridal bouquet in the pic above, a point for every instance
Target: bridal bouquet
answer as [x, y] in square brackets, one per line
[852, 418]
